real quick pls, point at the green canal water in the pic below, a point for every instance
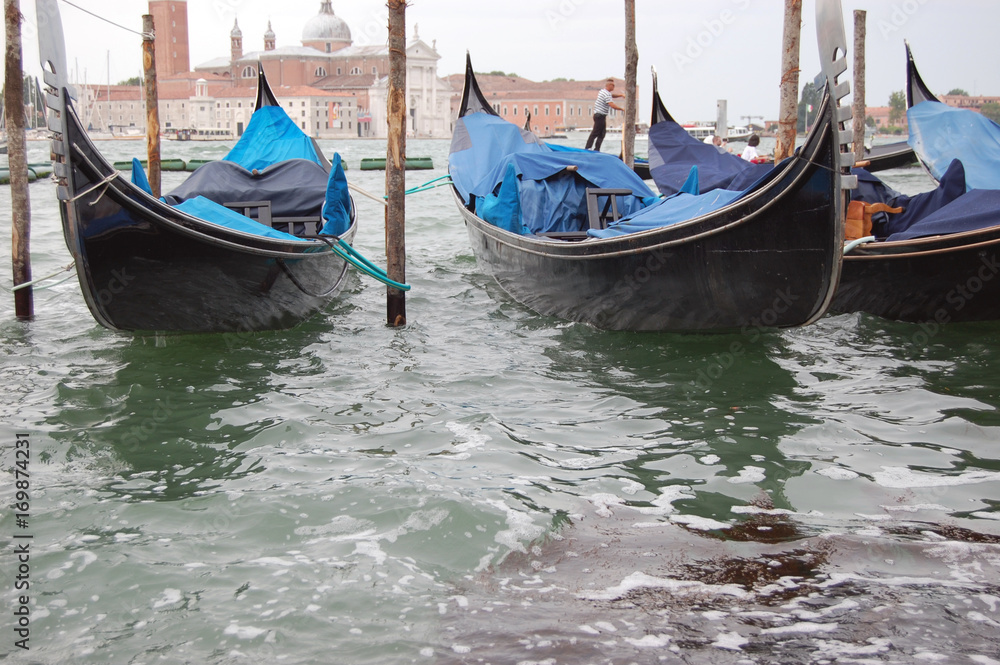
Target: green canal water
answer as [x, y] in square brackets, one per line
[486, 485]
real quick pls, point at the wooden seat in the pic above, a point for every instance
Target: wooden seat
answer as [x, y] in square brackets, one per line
[599, 217]
[305, 227]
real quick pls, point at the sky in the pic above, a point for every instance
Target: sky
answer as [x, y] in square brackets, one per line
[703, 51]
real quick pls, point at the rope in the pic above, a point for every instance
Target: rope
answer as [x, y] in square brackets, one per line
[860, 241]
[367, 193]
[144, 35]
[25, 285]
[358, 260]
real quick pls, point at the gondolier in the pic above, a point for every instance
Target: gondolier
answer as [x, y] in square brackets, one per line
[601, 109]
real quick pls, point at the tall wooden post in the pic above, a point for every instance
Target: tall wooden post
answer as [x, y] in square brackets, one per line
[859, 109]
[152, 104]
[631, 64]
[395, 165]
[788, 117]
[24, 307]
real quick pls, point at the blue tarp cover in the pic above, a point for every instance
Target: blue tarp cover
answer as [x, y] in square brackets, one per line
[948, 208]
[271, 137]
[489, 155]
[211, 211]
[672, 153]
[940, 134]
[671, 210]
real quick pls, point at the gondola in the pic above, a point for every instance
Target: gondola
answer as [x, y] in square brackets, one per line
[888, 156]
[944, 268]
[200, 265]
[771, 258]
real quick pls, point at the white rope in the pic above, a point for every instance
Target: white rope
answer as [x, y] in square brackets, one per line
[144, 35]
[104, 183]
[368, 194]
[42, 279]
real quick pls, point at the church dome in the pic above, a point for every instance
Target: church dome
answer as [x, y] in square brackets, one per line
[326, 27]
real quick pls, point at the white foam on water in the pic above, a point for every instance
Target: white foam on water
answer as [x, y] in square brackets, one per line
[169, 597]
[639, 580]
[837, 473]
[914, 508]
[663, 504]
[748, 474]
[473, 437]
[244, 632]
[699, 523]
[898, 477]
[520, 525]
[371, 548]
[709, 460]
[806, 627]
[732, 641]
[649, 641]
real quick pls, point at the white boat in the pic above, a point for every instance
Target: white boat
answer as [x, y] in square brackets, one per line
[701, 131]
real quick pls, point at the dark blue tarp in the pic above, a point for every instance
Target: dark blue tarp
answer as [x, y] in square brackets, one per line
[948, 208]
[977, 209]
[489, 155]
[672, 153]
[295, 188]
[940, 134]
[271, 137]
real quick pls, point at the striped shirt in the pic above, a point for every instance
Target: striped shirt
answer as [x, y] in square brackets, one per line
[601, 105]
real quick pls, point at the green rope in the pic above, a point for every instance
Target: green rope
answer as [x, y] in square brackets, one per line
[358, 260]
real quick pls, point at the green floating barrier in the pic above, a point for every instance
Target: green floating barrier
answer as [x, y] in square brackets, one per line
[5, 176]
[412, 163]
[193, 164]
[165, 165]
[41, 170]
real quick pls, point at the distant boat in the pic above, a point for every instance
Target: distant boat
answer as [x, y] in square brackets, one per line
[935, 260]
[703, 131]
[249, 243]
[656, 268]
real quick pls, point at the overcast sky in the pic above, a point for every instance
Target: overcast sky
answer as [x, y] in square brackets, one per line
[703, 51]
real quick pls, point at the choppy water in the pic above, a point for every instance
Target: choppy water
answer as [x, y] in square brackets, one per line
[487, 485]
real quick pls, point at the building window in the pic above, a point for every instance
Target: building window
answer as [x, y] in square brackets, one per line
[505, 110]
[526, 111]
[515, 110]
[536, 111]
[320, 71]
[355, 71]
[558, 110]
[546, 110]
[375, 71]
[329, 47]
[249, 72]
[338, 71]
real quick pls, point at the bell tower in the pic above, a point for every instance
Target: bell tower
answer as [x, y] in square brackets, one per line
[171, 42]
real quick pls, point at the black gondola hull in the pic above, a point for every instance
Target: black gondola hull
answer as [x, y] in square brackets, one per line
[147, 267]
[770, 260]
[942, 279]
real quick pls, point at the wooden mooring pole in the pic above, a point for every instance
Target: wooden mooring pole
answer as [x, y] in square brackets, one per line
[631, 64]
[858, 111]
[152, 104]
[17, 157]
[788, 118]
[395, 165]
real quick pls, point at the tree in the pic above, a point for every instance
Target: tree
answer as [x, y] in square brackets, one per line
[811, 96]
[897, 107]
[135, 80]
[958, 91]
[870, 122]
[991, 110]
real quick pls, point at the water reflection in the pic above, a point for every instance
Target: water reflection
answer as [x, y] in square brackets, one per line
[180, 415]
